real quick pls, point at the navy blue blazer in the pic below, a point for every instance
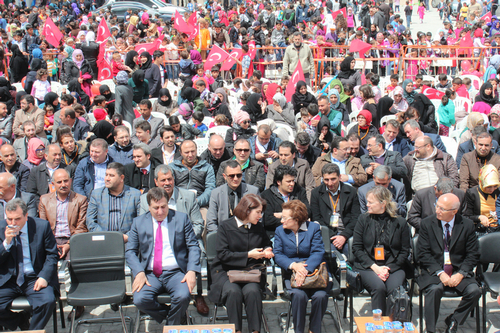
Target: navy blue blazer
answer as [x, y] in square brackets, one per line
[311, 247]
[402, 146]
[183, 241]
[436, 140]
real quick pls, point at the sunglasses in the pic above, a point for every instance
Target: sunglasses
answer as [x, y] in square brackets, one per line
[242, 150]
[236, 175]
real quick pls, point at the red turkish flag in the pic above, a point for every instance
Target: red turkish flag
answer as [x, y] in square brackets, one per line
[52, 33]
[147, 47]
[486, 17]
[252, 51]
[181, 25]
[194, 34]
[103, 65]
[234, 54]
[343, 11]
[298, 75]
[216, 56]
[358, 45]
[192, 20]
[432, 93]
[103, 32]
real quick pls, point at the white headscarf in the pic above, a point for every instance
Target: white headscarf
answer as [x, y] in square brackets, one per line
[90, 37]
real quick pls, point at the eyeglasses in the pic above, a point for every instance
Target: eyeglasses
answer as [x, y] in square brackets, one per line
[236, 175]
[245, 122]
[284, 218]
[242, 150]
[39, 150]
[442, 209]
[418, 148]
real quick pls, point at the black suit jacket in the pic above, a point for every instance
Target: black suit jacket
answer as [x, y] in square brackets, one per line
[393, 159]
[423, 205]
[321, 208]
[133, 175]
[43, 251]
[157, 155]
[464, 251]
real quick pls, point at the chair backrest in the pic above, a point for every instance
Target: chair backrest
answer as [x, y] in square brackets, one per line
[210, 246]
[19, 86]
[465, 102]
[161, 116]
[97, 256]
[284, 132]
[127, 125]
[351, 257]
[488, 248]
[207, 120]
[414, 247]
[153, 100]
[351, 125]
[201, 145]
[451, 146]
[110, 83]
[353, 116]
[475, 81]
[325, 234]
[385, 119]
[221, 130]
[436, 103]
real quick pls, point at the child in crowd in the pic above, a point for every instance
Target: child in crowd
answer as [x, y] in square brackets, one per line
[373, 79]
[187, 66]
[446, 114]
[51, 64]
[421, 11]
[394, 83]
[118, 65]
[443, 84]
[48, 119]
[221, 120]
[198, 122]
[218, 82]
[201, 86]
[200, 74]
[41, 86]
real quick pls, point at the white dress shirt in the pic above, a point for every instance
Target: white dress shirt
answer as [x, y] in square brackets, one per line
[169, 262]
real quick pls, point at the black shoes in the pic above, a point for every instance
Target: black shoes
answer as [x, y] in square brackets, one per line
[451, 324]
[24, 321]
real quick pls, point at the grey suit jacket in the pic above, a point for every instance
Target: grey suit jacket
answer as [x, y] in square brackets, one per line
[398, 195]
[218, 209]
[28, 198]
[156, 125]
[182, 239]
[185, 202]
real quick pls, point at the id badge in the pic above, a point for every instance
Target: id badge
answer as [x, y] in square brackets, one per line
[334, 220]
[447, 260]
[379, 252]
[52, 188]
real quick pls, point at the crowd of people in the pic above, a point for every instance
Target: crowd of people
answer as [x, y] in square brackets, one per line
[82, 155]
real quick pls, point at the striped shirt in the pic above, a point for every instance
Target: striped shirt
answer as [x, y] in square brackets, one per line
[62, 226]
[115, 207]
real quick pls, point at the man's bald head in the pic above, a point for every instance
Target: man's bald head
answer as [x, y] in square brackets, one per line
[216, 145]
[447, 207]
[8, 155]
[7, 186]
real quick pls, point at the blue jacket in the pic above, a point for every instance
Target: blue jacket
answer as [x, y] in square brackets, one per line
[302, 13]
[120, 154]
[200, 178]
[83, 182]
[98, 209]
[310, 249]
[274, 143]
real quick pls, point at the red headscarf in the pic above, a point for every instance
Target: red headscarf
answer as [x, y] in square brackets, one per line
[33, 145]
[272, 89]
[368, 116]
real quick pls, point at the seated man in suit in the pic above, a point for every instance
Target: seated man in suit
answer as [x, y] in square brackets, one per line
[473, 161]
[393, 142]
[335, 205]
[470, 145]
[287, 156]
[305, 149]
[378, 155]
[164, 256]
[11, 164]
[145, 108]
[114, 206]
[423, 204]
[169, 151]
[9, 191]
[447, 253]
[28, 267]
[140, 174]
[143, 134]
[283, 189]
[227, 196]
[382, 176]
[413, 132]
[121, 150]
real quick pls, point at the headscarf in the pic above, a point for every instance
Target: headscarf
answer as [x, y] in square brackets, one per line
[145, 18]
[75, 86]
[345, 68]
[410, 97]
[129, 59]
[383, 106]
[90, 37]
[122, 77]
[73, 56]
[138, 77]
[80, 34]
[148, 62]
[164, 92]
[104, 130]
[186, 110]
[224, 95]
[49, 99]
[474, 119]
[280, 99]
[496, 110]
[495, 61]
[488, 176]
[33, 145]
[36, 64]
[16, 52]
[336, 93]
[134, 19]
[190, 94]
[103, 89]
[240, 117]
[272, 89]
[489, 99]
[69, 50]
[37, 54]
[99, 114]
[481, 107]
[343, 96]
[85, 20]
[253, 105]
[213, 101]
[368, 116]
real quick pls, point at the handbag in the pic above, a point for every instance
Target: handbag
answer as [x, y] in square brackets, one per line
[253, 274]
[353, 280]
[316, 280]
[399, 306]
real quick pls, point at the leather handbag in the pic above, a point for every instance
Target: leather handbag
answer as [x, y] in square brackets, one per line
[316, 280]
[353, 280]
[253, 274]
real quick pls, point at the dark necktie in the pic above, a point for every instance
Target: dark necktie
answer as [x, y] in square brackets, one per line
[232, 197]
[20, 258]
[448, 268]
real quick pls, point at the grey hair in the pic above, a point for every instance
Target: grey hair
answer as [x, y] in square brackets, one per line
[445, 185]
[164, 169]
[14, 204]
[384, 195]
[52, 177]
[381, 171]
[144, 147]
[47, 149]
[413, 124]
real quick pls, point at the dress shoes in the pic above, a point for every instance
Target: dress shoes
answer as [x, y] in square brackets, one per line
[201, 306]
[451, 324]
[24, 321]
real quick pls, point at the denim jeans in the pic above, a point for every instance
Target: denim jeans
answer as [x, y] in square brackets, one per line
[172, 71]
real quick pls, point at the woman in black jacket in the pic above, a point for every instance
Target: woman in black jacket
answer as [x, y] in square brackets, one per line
[214, 106]
[18, 64]
[77, 66]
[302, 98]
[255, 108]
[242, 243]
[381, 244]
[241, 130]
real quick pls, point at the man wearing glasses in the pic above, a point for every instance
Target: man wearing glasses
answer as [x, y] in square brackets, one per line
[253, 171]
[427, 164]
[226, 197]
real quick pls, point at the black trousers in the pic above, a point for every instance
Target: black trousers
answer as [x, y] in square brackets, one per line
[42, 303]
[433, 294]
[379, 289]
[234, 295]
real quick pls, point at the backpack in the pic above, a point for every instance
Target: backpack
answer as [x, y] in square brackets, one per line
[65, 72]
[399, 306]
[289, 15]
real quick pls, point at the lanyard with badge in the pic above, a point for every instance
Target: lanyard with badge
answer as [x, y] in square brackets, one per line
[379, 248]
[334, 218]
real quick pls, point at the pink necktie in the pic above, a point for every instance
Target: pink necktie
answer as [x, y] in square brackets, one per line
[157, 264]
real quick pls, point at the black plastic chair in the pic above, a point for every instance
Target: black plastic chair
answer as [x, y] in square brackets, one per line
[490, 281]
[97, 274]
[21, 304]
[448, 292]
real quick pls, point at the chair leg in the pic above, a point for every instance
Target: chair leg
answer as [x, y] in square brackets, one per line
[484, 310]
[54, 319]
[478, 325]
[264, 321]
[420, 310]
[72, 329]
[346, 292]
[124, 324]
[61, 313]
[215, 315]
[289, 316]
[351, 310]
[137, 321]
[339, 319]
